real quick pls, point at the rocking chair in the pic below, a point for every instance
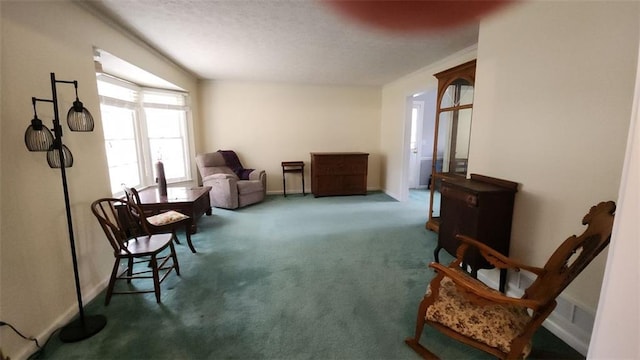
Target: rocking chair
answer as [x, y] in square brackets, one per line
[467, 310]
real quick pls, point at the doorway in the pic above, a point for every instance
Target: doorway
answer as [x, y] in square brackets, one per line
[421, 108]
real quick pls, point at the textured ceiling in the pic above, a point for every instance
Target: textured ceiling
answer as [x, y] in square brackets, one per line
[290, 41]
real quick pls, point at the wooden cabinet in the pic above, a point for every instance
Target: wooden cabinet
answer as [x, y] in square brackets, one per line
[480, 207]
[339, 173]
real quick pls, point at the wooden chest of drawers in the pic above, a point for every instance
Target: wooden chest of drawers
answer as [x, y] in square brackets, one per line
[339, 173]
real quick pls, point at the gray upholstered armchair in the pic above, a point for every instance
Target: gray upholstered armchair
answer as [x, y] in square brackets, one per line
[232, 186]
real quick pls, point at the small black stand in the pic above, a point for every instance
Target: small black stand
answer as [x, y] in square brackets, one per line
[292, 167]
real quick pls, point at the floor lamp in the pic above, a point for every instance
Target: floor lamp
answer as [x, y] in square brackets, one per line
[39, 138]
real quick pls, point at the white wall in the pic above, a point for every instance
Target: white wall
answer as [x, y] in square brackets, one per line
[554, 88]
[616, 333]
[38, 292]
[267, 123]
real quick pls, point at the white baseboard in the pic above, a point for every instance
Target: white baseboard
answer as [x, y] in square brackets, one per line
[571, 322]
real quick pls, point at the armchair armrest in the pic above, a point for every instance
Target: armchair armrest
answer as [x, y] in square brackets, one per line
[478, 291]
[261, 176]
[494, 257]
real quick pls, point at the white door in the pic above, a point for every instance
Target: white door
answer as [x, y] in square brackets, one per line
[417, 116]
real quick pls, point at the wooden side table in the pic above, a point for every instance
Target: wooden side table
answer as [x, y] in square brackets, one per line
[292, 167]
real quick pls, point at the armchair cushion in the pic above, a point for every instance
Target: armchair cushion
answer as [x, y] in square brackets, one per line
[219, 173]
[494, 325]
[210, 160]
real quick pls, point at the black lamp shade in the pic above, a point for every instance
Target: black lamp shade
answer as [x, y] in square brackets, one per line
[38, 137]
[79, 118]
[53, 157]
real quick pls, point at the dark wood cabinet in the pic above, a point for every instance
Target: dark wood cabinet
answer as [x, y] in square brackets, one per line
[480, 207]
[339, 173]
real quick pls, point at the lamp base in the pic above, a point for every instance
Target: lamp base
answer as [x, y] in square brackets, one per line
[79, 330]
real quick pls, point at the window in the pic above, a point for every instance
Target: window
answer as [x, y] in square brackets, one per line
[141, 126]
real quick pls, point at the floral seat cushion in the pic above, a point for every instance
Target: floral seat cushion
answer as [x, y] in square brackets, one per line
[166, 218]
[493, 325]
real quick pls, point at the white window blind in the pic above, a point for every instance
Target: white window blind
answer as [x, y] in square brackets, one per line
[141, 126]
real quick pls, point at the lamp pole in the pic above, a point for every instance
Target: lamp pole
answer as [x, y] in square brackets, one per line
[83, 327]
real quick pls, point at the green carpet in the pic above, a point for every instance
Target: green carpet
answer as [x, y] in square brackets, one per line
[289, 278]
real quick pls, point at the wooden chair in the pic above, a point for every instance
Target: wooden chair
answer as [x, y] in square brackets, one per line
[465, 309]
[146, 248]
[162, 223]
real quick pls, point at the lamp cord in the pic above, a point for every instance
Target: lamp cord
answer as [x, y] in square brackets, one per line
[40, 348]
[2, 323]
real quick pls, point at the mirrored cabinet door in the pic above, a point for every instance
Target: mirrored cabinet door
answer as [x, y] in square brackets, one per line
[452, 131]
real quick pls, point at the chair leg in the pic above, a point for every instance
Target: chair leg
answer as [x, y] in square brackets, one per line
[414, 342]
[156, 277]
[175, 259]
[112, 281]
[129, 269]
[174, 236]
[519, 343]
